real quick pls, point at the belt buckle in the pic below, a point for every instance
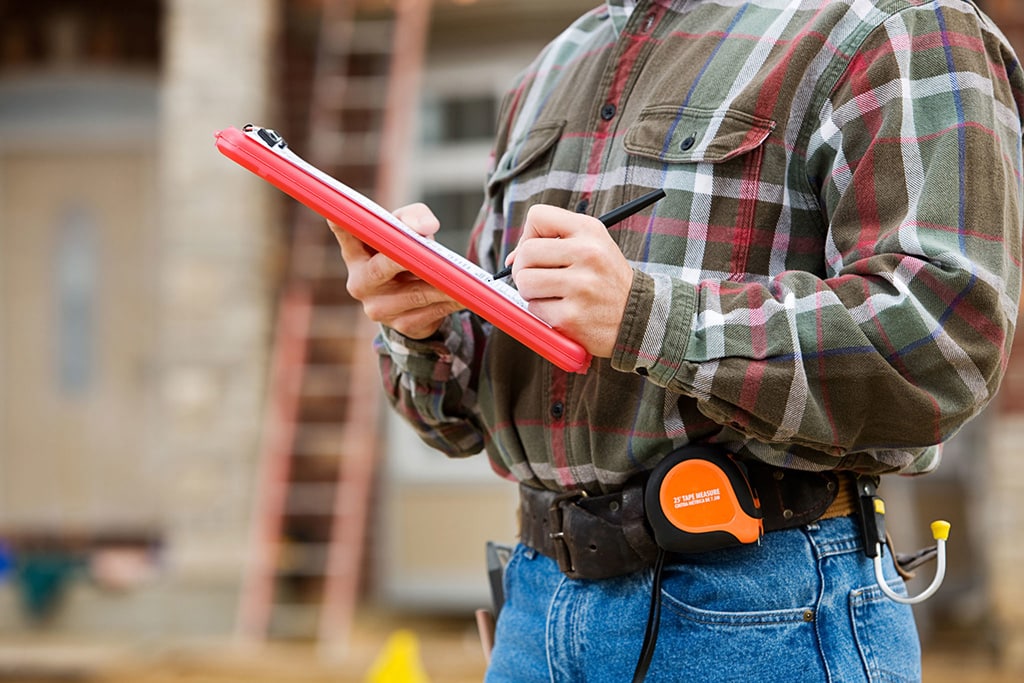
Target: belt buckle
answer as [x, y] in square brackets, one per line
[557, 535]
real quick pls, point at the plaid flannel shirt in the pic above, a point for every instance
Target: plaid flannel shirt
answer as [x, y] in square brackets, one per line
[832, 280]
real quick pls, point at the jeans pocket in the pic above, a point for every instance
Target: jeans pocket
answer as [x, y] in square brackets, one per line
[738, 634]
[886, 636]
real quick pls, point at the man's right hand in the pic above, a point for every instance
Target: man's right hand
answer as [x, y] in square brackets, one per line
[390, 294]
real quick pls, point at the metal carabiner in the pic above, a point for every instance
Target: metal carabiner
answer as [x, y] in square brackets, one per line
[872, 513]
[940, 532]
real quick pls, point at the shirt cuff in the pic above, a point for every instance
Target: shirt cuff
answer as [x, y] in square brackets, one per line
[656, 326]
[428, 359]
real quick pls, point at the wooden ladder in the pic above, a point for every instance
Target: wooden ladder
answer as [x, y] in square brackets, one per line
[321, 442]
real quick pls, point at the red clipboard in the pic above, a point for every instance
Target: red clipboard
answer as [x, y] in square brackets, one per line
[265, 153]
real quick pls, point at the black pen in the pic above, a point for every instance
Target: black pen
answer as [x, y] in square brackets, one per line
[611, 218]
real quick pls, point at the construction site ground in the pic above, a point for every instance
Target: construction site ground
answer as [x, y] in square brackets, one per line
[417, 649]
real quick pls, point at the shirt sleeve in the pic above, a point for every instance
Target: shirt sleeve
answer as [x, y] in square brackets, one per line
[915, 158]
[431, 383]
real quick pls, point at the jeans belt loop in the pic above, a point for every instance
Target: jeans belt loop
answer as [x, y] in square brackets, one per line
[557, 534]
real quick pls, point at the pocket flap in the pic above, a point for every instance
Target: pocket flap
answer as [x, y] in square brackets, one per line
[670, 134]
[519, 156]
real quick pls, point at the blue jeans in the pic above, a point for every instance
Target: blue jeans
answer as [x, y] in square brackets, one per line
[802, 605]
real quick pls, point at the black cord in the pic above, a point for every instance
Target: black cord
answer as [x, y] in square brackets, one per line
[653, 622]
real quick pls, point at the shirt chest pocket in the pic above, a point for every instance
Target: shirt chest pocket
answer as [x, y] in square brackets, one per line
[523, 161]
[520, 180]
[718, 164]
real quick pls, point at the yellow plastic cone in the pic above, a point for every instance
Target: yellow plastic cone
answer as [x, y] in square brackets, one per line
[399, 661]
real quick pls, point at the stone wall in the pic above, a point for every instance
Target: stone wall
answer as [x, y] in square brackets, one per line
[218, 227]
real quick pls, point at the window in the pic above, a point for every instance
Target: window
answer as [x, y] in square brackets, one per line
[459, 118]
[456, 134]
[72, 33]
[457, 210]
[76, 283]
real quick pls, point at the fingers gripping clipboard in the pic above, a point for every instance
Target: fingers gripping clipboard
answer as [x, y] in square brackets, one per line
[263, 152]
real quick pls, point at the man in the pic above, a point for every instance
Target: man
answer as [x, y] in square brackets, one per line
[829, 289]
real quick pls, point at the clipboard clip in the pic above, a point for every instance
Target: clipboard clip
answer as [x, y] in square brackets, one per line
[271, 137]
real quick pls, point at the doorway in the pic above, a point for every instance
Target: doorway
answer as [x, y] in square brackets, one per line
[76, 302]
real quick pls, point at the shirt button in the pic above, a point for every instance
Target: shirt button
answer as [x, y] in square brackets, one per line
[557, 410]
[642, 371]
[608, 112]
[582, 206]
[688, 143]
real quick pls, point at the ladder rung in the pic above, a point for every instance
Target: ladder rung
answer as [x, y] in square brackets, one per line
[334, 321]
[311, 560]
[346, 148]
[304, 559]
[325, 381]
[352, 92]
[334, 266]
[311, 266]
[294, 620]
[319, 440]
[366, 36]
[310, 499]
[313, 260]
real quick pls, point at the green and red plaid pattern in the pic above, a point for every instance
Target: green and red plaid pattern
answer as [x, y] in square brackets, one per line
[832, 279]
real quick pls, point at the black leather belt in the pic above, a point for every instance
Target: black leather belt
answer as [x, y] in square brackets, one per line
[598, 537]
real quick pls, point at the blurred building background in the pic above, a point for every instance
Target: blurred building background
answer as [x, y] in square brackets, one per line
[190, 443]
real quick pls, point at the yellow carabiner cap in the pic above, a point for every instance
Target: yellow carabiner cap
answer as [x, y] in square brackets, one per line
[940, 530]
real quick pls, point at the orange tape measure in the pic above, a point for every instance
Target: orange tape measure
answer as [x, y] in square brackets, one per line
[698, 499]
